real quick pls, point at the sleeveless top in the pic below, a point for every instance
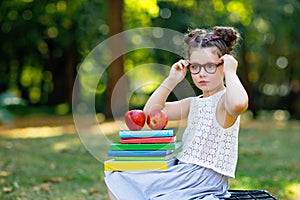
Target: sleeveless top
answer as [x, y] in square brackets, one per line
[205, 142]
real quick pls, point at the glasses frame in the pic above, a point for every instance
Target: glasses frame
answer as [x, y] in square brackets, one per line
[204, 66]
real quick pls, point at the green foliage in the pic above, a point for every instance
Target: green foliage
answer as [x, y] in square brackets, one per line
[44, 42]
[270, 74]
[138, 13]
[40, 38]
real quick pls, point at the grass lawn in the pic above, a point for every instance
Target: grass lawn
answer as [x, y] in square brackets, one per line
[269, 158]
[57, 166]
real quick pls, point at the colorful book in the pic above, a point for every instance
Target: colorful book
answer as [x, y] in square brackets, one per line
[114, 165]
[148, 140]
[144, 158]
[146, 133]
[139, 153]
[161, 146]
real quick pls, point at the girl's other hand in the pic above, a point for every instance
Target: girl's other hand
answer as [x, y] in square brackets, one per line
[229, 63]
[178, 70]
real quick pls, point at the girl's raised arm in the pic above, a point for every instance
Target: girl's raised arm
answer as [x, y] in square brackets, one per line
[235, 100]
[157, 100]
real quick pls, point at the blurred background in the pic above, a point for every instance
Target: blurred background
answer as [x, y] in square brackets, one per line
[44, 42]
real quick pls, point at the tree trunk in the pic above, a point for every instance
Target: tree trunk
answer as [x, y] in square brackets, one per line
[116, 69]
[63, 70]
[71, 61]
[245, 81]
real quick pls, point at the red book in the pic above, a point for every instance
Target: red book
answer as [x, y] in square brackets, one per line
[147, 140]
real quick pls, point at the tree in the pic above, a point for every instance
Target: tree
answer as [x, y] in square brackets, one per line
[116, 69]
[42, 42]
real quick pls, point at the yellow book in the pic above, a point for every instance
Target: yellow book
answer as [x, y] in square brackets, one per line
[114, 165]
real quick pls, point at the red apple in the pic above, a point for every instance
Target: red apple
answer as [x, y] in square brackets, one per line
[135, 119]
[157, 120]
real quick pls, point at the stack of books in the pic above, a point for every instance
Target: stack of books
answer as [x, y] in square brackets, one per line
[143, 150]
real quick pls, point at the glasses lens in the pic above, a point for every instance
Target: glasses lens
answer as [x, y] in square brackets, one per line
[210, 68]
[194, 69]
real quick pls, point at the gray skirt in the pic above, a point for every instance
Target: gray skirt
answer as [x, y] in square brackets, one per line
[180, 182]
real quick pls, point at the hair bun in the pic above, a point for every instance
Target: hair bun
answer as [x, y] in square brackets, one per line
[228, 34]
[194, 35]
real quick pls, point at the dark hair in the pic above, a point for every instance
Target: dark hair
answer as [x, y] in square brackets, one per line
[224, 38]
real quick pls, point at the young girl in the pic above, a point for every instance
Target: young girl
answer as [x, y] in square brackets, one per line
[210, 142]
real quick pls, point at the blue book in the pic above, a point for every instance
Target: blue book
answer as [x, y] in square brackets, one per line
[139, 153]
[146, 133]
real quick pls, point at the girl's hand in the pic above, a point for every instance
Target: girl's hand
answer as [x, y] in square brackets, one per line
[229, 63]
[178, 70]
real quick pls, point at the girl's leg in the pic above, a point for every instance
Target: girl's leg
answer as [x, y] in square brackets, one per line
[110, 195]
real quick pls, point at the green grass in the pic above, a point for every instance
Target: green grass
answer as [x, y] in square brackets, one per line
[60, 167]
[269, 159]
[49, 168]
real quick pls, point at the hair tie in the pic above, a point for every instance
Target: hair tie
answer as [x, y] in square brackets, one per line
[212, 37]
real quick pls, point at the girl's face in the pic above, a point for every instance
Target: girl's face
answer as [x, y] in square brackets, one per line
[208, 83]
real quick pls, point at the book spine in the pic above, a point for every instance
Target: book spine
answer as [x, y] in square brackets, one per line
[113, 165]
[146, 133]
[162, 146]
[147, 140]
[144, 158]
[139, 153]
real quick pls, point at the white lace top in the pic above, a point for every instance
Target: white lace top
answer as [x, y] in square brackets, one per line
[205, 142]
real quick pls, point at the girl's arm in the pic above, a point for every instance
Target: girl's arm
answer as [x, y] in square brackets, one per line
[157, 101]
[235, 100]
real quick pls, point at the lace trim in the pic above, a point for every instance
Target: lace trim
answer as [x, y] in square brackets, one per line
[205, 142]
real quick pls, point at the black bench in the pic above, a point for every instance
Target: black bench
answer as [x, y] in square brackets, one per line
[250, 194]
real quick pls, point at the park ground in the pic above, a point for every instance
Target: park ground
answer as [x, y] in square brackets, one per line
[42, 157]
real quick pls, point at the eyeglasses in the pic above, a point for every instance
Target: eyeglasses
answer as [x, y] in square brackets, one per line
[210, 68]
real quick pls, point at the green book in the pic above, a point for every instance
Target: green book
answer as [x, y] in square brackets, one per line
[144, 158]
[154, 146]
